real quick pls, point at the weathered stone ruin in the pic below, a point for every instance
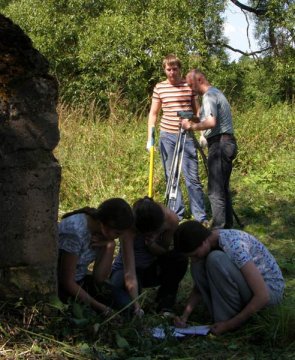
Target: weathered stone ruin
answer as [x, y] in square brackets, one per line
[29, 173]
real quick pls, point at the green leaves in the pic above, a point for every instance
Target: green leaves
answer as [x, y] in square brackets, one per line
[100, 47]
[121, 342]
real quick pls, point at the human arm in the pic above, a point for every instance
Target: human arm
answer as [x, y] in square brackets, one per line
[66, 274]
[193, 300]
[129, 267]
[208, 123]
[103, 262]
[259, 299]
[195, 107]
[203, 140]
[152, 119]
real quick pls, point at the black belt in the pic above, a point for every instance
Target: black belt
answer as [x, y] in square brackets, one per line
[220, 137]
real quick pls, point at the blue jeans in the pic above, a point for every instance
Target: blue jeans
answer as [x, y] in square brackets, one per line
[189, 169]
[220, 157]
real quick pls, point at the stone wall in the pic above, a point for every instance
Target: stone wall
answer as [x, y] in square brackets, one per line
[29, 173]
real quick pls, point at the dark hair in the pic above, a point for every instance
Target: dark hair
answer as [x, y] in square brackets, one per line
[148, 215]
[189, 236]
[115, 213]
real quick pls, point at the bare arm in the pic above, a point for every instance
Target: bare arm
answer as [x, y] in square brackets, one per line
[259, 299]
[129, 266]
[103, 262]
[208, 123]
[67, 272]
[196, 105]
[193, 300]
[153, 115]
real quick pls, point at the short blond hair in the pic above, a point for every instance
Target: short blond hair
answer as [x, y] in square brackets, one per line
[171, 60]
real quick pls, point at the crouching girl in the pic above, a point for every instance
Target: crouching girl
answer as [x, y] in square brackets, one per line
[233, 273]
[87, 235]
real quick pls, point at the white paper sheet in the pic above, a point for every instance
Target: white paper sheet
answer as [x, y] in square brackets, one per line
[194, 330]
[159, 332]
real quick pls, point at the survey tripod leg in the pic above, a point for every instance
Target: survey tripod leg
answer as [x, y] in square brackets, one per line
[175, 171]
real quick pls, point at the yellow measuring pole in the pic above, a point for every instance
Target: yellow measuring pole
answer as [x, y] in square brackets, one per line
[151, 172]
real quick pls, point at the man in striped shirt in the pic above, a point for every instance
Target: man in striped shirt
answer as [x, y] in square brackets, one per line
[170, 96]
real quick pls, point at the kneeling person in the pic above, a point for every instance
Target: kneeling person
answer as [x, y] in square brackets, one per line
[233, 272]
[156, 264]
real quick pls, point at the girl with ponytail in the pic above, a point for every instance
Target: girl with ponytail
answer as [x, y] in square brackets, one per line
[88, 235]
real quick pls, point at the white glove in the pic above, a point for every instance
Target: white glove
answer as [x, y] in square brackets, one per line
[203, 141]
[148, 145]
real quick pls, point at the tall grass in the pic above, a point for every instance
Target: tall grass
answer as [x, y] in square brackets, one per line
[103, 158]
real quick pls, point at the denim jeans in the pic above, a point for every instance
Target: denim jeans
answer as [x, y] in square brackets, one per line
[220, 157]
[189, 169]
[166, 272]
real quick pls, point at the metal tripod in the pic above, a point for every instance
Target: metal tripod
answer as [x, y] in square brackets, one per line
[175, 171]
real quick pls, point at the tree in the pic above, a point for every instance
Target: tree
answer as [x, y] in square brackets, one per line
[275, 20]
[98, 48]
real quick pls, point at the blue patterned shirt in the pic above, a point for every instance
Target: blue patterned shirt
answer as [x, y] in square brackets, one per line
[242, 247]
[74, 238]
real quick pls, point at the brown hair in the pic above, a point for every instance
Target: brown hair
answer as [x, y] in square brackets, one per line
[171, 60]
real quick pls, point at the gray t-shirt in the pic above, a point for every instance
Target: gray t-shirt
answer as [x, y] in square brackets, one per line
[74, 238]
[214, 103]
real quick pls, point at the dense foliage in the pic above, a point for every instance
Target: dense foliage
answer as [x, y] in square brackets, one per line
[100, 50]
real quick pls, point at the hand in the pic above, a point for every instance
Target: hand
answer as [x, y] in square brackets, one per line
[139, 312]
[186, 124]
[220, 327]
[107, 312]
[203, 141]
[150, 239]
[148, 145]
[180, 322]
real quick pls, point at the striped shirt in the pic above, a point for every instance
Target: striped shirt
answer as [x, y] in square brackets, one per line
[173, 98]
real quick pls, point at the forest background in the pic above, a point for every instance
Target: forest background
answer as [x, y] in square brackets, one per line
[106, 56]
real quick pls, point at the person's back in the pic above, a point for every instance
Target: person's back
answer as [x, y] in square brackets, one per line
[74, 238]
[215, 103]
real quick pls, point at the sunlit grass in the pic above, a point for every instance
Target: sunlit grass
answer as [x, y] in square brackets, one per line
[103, 158]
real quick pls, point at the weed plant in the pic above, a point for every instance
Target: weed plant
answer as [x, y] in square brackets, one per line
[103, 158]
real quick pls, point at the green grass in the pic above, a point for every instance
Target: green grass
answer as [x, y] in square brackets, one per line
[103, 158]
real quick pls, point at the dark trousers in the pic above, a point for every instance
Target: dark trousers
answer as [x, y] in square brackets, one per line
[166, 272]
[221, 154]
[101, 292]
